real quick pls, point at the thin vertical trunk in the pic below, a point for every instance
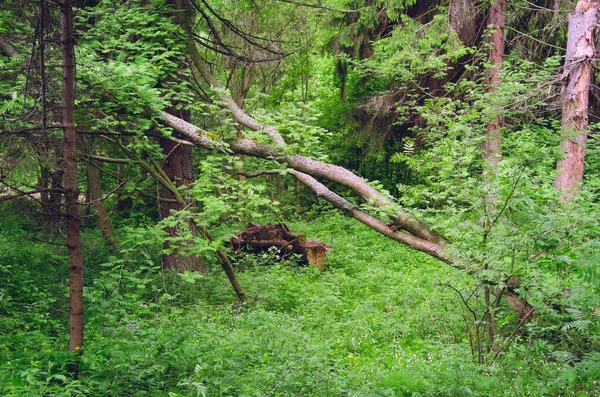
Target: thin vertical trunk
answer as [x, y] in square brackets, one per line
[71, 189]
[491, 150]
[97, 204]
[575, 97]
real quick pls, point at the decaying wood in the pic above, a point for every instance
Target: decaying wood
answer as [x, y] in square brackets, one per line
[283, 242]
[575, 96]
[404, 228]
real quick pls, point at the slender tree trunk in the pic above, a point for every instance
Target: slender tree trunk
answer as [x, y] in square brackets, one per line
[97, 204]
[491, 150]
[70, 180]
[575, 97]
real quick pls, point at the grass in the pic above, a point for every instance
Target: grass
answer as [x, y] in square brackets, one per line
[380, 321]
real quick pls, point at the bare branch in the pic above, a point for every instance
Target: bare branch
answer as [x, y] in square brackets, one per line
[318, 6]
[402, 220]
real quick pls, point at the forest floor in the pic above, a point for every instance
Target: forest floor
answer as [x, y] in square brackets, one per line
[382, 320]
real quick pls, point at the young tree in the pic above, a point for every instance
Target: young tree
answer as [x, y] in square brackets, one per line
[71, 190]
[492, 152]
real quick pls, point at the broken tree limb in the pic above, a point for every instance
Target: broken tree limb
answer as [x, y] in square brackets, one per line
[371, 221]
[374, 223]
[402, 220]
[317, 169]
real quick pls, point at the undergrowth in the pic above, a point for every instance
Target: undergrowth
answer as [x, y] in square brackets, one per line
[381, 321]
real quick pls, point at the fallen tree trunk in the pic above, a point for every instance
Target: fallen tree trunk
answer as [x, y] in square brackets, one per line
[305, 170]
[406, 229]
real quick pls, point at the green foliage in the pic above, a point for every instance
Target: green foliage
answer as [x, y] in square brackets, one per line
[128, 60]
[378, 322]
[382, 320]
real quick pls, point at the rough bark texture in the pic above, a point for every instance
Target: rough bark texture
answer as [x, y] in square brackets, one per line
[334, 173]
[492, 153]
[466, 19]
[178, 168]
[575, 97]
[263, 237]
[70, 180]
[491, 150]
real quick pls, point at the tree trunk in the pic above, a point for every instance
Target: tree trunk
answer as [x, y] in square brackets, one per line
[421, 236]
[97, 204]
[492, 153]
[491, 150]
[177, 165]
[466, 18]
[71, 189]
[575, 97]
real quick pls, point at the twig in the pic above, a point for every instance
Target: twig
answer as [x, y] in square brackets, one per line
[320, 7]
[512, 335]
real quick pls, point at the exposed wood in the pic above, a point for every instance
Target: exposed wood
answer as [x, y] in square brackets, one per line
[575, 97]
[306, 169]
[283, 242]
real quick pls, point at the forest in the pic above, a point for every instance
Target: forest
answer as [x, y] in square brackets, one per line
[299, 198]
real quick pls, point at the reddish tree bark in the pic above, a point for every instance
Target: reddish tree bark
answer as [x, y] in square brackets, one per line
[71, 189]
[575, 97]
[491, 150]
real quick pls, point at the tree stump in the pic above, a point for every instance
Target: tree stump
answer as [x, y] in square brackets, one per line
[261, 238]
